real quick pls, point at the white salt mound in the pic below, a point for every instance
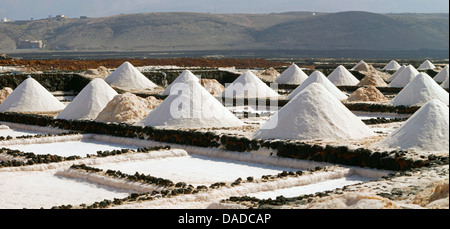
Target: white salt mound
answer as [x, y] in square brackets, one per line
[185, 76]
[445, 83]
[392, 66]
[247, 85]
[319, 77]
[342, 77]
[192, 107]
[292, 75]
[126, 76]
[358, 64]
[128, 108]
[421, 90]
[426, 65]
[30, 96]
[442, 75]
[427, 129]
[404, 77]
[89, 102]
[391, 78]
[313, 114]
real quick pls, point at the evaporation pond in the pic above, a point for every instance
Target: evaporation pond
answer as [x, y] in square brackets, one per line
[196, 169]
[14, 132]
[71, 148]
[36, 189]
[311, 188]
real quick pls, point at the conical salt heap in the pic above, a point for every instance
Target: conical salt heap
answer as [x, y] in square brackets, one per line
[392, 66]
[442, 75]
[426, 65]
[247, 85]
[89, 102]
[445, 83]
[185, 76]
[421, 90]
[392, 78]
[367, 94]
[292, 75]
[372, 79]
[342, 77]
[358, 64]
[313, 114]
[128, 108]
[319, 77]
[126, 76]
[404, 77]
[192, 107]
[427, 129]
[30, 96]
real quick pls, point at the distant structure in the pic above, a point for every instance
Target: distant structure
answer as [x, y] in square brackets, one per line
[83, 17]
[27, 44]
[5, 19]
[61, 16]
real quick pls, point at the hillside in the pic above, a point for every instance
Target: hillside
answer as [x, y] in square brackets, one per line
[200, 31]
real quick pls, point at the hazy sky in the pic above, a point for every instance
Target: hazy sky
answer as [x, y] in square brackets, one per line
[26, 9]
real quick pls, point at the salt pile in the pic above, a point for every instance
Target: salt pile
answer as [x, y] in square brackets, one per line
[445, 83]
[342, 77]
[30, 96]
[247, 85]
[392, 66]
[192, 107]
[185, 76]
[100, 72]
[426, 65]
[442, 75]
[89, 102]
[212, 86]
[364, 67]
[5, 92]
[404, 77]
[313, 114]
[127, 108]
[391, 78]
[372, 79]
[126, 76]
[427, 129]
[292, 75]
[367, 94]
[358, 64]
[421, 90]
[268, 75]
[319, 77]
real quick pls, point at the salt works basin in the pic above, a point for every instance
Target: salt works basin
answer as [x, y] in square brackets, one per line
[16, 130]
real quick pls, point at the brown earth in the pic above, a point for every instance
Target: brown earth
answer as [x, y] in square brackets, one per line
[74, 65]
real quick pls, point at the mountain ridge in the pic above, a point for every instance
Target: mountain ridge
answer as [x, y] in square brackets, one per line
[204, 31]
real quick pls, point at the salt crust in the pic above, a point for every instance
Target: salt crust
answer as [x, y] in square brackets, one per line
[30, 96]
[89, 102]
[313, 114]
[319, 77]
